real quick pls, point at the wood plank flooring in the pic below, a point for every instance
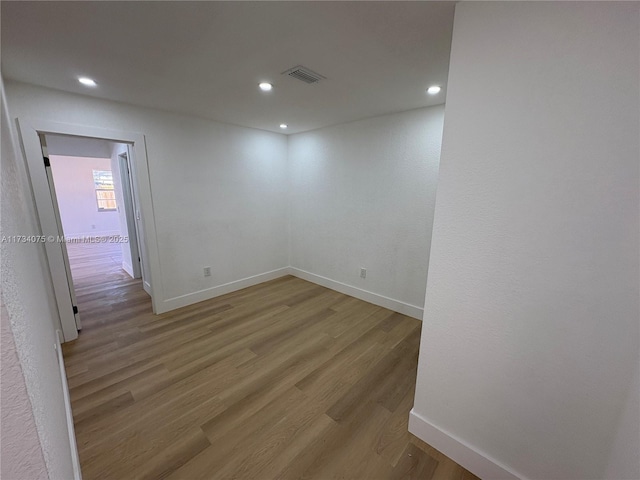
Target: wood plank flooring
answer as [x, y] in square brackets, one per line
[283, 380]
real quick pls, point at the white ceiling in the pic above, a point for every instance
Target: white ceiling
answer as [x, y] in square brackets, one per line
[207, 58]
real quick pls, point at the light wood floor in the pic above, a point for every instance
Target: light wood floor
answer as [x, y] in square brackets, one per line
[283, 380]
[95, 266]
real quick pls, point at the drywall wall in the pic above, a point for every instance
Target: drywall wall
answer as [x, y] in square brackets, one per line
[531, 332]
[362, 196]
[22, 456]
[30, 307]
[75, 191]
[219, 191]
[77, 146]
[624, 459]
[116, 150]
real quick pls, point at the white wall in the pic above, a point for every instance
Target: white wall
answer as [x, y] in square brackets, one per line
[219, 191]
[362, 195]
[30, 307]
[77, 146]
[531, 331]
[75, 191]
[624, 459]
[21, 457]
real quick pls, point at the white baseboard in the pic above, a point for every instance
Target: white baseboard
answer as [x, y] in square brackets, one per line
[470, 458]
[128, 268]
[75, 459]
[380, 300]
[201, 295]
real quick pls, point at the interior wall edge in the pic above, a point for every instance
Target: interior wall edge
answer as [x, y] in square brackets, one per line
[30, 306]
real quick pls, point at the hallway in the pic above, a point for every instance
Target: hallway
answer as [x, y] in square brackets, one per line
[101, 284]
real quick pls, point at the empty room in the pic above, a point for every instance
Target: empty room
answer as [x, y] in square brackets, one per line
[320, 240]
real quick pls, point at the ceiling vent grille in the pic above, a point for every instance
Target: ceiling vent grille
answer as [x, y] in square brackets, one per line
[304, 74]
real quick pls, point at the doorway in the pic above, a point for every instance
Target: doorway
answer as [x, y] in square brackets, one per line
[91, 185]
[130, 166]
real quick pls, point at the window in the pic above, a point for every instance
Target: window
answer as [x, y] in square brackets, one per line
[105, 193]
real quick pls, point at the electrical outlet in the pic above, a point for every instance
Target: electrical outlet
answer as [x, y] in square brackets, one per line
[363, 273]
[207, 271]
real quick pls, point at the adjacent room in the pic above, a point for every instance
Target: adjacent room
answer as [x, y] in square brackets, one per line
[95, 203]
[358, 240]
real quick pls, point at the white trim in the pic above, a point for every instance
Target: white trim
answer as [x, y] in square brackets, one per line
[126, 187]
[49, 227]
[201, 295]
[75, 459]
[380, 300]
[128, 268]
[472, 459]
[147, 288]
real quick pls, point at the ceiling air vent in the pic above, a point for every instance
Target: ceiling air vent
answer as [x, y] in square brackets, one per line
[304, 74]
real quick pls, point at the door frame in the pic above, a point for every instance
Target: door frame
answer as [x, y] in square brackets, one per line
[129, 209]
[63, 246]
[29, 130]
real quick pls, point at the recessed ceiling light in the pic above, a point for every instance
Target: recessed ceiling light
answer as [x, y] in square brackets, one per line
[89, 82]
[265, 87]
[283, 126]
[433, 90]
